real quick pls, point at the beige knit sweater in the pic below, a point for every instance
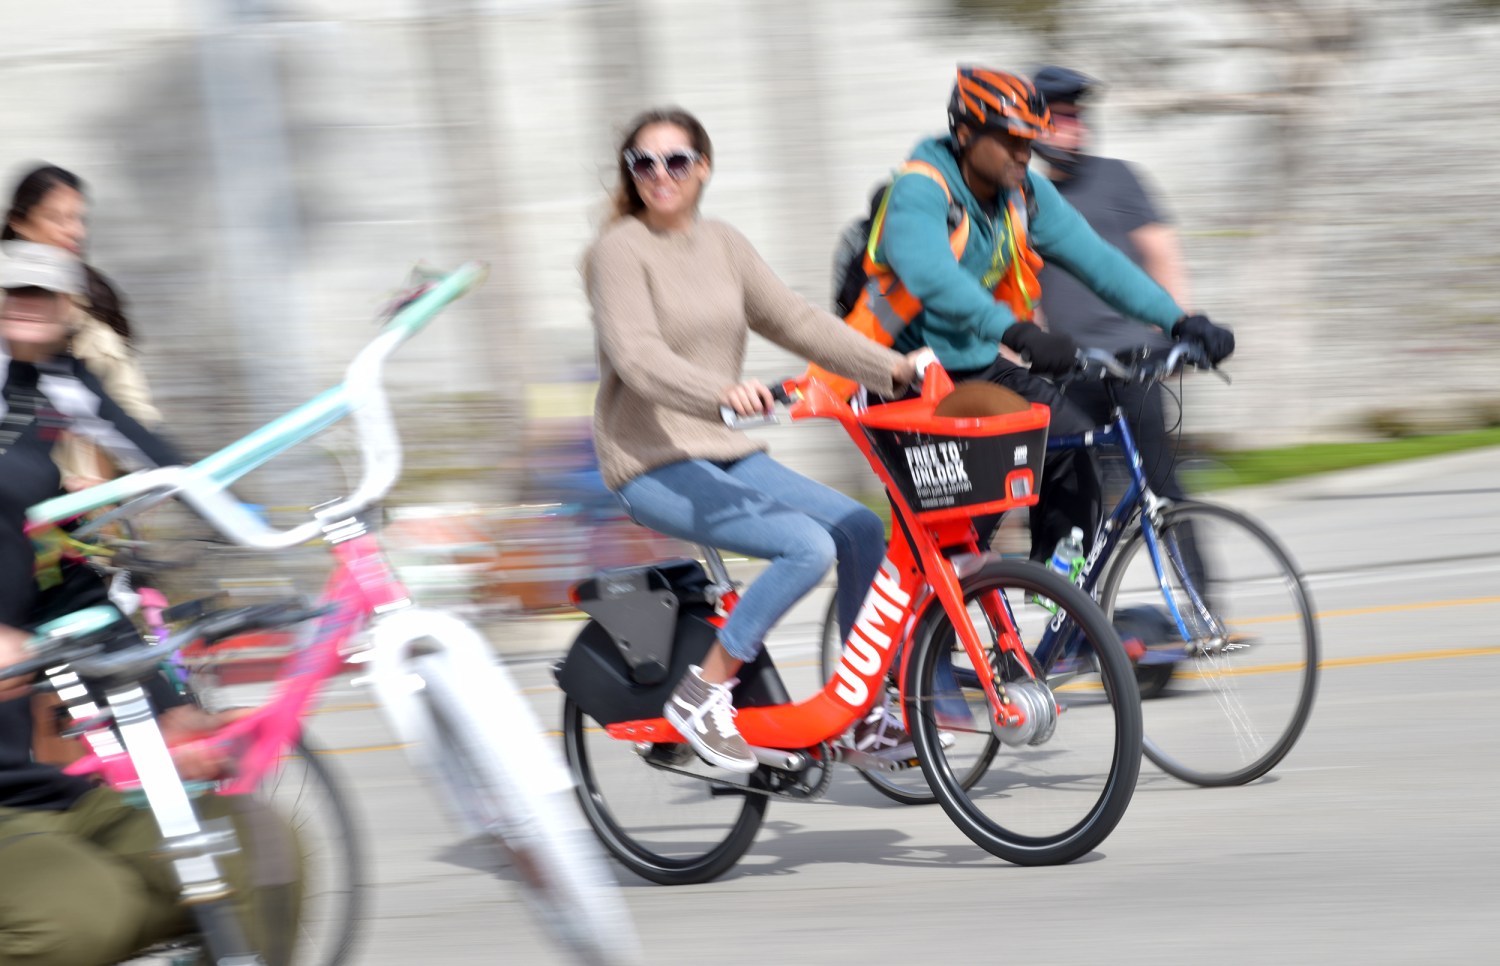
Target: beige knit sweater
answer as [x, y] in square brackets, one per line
[671, 313]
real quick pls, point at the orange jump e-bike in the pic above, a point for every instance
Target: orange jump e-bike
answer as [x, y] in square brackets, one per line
[940, 612]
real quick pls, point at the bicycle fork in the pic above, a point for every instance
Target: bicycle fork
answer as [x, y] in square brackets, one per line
[1022, 709]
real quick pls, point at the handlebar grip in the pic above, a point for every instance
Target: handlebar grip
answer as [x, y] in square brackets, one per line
[734, 420]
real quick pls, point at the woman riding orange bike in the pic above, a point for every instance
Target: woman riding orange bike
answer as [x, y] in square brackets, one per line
[674, 296]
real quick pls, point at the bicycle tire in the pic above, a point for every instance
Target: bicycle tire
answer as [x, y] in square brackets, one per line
[567, 887]
[327, 935]
[334, 884]
[901, 790]
[1112, 734]
[328, 916]
[1293, 656]
[650, 860]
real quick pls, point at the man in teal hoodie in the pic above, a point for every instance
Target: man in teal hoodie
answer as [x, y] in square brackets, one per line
[974, 304]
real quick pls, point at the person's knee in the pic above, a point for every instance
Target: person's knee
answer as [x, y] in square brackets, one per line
[864, 532]
[812, 548]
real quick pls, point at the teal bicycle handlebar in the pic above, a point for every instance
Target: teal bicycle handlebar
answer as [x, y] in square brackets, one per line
[203, 484]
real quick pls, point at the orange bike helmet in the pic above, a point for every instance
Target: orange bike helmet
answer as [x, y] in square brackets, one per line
[994, 100]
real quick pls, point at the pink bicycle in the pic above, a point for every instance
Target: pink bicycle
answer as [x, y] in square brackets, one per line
[456, 709]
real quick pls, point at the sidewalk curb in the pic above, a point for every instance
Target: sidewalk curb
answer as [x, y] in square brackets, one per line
[1361, 479]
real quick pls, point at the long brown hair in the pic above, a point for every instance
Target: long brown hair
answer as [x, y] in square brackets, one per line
[626, 200]
[105, 303]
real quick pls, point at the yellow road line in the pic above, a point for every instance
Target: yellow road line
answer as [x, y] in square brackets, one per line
[361, 750]
[1447, 652]
[1401, 657]
[1377, 609]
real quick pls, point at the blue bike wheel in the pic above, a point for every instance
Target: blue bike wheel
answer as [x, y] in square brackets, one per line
[1240, 642]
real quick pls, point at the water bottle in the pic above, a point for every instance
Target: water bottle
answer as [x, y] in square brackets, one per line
[1068, 558]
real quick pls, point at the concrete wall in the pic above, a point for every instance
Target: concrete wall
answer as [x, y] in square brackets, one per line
[1328, 171]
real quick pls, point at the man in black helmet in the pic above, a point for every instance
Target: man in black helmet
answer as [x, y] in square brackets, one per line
[1111, 197]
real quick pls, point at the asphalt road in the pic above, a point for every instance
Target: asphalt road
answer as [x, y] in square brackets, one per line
[1374, 842]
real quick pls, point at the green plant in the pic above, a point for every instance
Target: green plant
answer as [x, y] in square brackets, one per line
[1391, 423]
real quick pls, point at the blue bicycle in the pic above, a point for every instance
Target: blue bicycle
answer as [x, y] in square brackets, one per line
[1213, 610]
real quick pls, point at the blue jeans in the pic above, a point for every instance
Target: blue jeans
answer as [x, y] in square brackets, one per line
[760, 508]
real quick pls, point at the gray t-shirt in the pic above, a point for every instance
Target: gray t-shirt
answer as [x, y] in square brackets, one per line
[1114, 202]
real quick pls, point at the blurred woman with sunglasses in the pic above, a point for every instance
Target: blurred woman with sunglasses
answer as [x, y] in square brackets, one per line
[674, 296]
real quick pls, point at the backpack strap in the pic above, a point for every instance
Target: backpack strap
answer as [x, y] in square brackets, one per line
[958, 227]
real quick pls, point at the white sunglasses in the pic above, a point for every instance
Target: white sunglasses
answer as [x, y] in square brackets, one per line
[645, 165]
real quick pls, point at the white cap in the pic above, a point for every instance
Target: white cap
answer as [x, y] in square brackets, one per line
[30, 265]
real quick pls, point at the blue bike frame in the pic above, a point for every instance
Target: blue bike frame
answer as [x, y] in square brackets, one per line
[1061, 637]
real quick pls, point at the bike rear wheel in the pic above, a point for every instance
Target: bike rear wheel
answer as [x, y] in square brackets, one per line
[907, 786]
[1058, 794]
[1233, 709]
[489, 776]
[665, 814]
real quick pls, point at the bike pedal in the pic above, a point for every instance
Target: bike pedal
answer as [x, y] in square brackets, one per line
[671, 754]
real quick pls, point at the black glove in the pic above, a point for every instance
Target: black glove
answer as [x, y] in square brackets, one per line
[1050, 353]
[1216, 340]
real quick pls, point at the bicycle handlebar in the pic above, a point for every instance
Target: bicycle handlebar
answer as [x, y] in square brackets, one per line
[203, 485]
[1143, 365]
[923, 360]
[78, 640]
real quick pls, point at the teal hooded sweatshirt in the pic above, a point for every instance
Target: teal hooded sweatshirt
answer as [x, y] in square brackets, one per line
[960, 319]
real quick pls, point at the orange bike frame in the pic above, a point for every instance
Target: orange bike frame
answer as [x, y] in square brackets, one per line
[915, 571]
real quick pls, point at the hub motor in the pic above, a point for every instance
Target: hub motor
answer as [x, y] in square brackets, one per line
[1039, 712]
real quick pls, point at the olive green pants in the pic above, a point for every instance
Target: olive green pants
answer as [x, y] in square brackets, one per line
[86, 887]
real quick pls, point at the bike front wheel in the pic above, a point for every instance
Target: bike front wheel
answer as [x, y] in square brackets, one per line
[498, 778]
[304, 792]
[1056, 791]
[1245, 673]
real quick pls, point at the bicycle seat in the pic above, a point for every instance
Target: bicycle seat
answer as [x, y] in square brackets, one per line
[975, 400]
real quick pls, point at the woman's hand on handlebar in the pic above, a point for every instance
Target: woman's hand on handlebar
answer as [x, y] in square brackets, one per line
[908, 369]
[748, 398]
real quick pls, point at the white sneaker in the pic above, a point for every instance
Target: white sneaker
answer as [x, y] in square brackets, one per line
[703, 713]
[881, 732]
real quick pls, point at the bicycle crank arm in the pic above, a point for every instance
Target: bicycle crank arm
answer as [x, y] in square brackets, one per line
[781, 760]
[675, 753]
[867, 761]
